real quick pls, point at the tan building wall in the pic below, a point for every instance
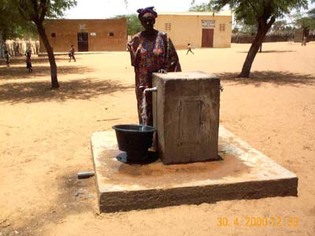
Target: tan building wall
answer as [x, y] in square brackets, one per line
[86, 35]
[201, 29]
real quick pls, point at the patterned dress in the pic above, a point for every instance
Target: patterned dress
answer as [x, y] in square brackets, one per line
[148, 56]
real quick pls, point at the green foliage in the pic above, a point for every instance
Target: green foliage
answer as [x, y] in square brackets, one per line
[58, 7]
[35, 12]
[204, 7]
[311, 13]
[281, 26]
[248, 12]
[309, 21]
[306, 23]
[38, 10]
[11, 24]
[261, 14]
[245, 28]
[133, 24]
[16, 16]
[251, 10]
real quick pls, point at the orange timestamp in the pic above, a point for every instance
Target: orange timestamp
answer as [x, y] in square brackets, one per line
[258, 221]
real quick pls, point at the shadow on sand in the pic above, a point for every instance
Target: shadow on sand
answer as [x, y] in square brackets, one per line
[273, 77]
[270, 51]
[23, 88]
[19, 72]
[37, 59]
[38, 91]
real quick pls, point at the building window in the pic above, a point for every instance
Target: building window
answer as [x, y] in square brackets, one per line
[53, 35]
[168, 26]
[111, 34]
[82, 27]
[222, 27]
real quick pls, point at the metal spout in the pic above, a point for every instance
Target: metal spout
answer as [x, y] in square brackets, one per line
[154, 89]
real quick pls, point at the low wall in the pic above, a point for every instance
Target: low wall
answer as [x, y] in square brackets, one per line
[271, 38]
[18, 47]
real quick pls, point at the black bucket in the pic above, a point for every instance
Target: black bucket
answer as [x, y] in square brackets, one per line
[135, 140]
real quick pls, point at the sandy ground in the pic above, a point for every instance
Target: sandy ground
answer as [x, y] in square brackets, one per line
[45, 142]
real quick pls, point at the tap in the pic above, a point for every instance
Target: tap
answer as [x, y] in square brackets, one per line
[154, 89]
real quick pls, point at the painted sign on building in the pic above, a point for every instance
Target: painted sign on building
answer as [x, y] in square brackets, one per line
[208, 24]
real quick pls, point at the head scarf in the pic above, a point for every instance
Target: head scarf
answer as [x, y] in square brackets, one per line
[149, 11]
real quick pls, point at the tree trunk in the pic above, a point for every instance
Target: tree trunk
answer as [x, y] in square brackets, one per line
[263, 28]
[251, 55]
[51, 56]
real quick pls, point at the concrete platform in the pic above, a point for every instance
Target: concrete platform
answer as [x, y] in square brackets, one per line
[243, 173]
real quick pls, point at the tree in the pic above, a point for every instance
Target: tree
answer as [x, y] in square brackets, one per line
[7, 27]
[201, 7]
[133, 23]
[11, 25]
[263, 13]
[307, 23]
[279, 26]
[36, 11]
[311, 13]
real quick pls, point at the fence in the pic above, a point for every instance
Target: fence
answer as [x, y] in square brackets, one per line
[238, 38]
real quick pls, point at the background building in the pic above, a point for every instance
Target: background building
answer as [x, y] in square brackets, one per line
[86, 35]
[201, 29]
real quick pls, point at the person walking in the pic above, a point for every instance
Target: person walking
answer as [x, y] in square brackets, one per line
[304, 39]
[189, 49]
[7, 57]
[150, 51]
[71, 54]
[28, 54]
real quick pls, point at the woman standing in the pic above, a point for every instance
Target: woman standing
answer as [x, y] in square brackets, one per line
[151, 51]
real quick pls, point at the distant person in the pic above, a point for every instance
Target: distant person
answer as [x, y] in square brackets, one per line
[7, 58]
[150, 51]
[189, 49]
[304, 41]
[28, 55]
[17, 50]
[71, 53]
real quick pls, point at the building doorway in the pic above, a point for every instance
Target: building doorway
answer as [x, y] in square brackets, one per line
[83, 42]
[207, 38]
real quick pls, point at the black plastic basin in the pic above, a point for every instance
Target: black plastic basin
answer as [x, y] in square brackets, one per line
[135, 140]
